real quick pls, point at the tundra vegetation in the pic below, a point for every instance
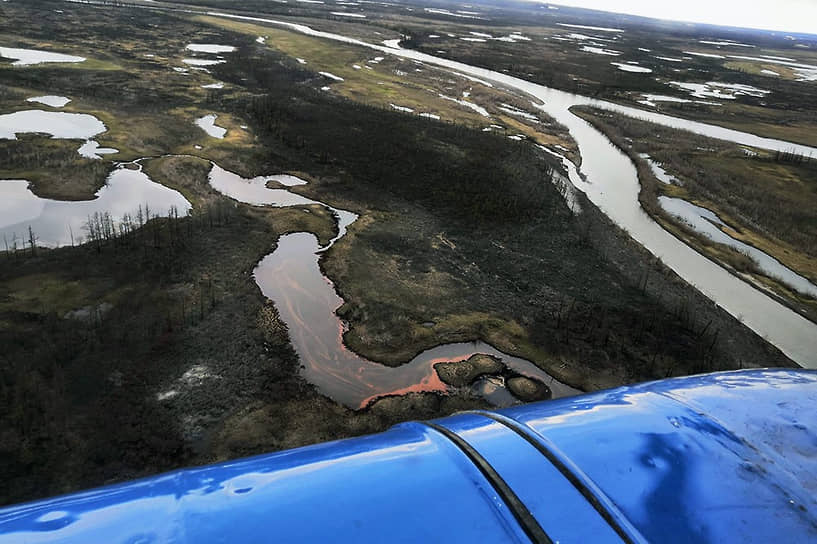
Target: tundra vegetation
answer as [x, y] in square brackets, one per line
[150, 347]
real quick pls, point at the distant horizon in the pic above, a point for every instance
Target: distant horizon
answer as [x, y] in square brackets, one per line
[787, 16]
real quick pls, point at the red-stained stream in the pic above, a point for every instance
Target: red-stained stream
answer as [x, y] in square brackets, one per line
[306, 300]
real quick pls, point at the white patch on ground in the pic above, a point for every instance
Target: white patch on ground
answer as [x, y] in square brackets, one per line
[261, 39]
[600, 51]
[166, 395]
[30, 57]
[769, 73]
[430, 116]
[402, 108]
[481, 35]
[208, 125]
[724, 91]
[331, 76]
[353, 15]
[479, 109]
[597, 28]
[705, 55]
[196, 374]
[580, 37]
[659, 171]
[91, 150]
[88, 312]
[210, 48]
[670, 59]
[50, 100]
[507, 108]
[203, 62]
[194, 377]
[651, 99]
[512, 38]
[725, 43]
[300, 61]
[437, 11]
[213, 86]
[632, 68]
[483, 40]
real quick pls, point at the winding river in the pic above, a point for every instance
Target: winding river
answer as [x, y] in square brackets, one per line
[612, 184]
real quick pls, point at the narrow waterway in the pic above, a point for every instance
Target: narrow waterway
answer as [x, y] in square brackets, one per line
[612, 184]
[306, 300]
[255, 192]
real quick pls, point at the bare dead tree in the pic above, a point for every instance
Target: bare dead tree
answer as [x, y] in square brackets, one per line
[32, 240]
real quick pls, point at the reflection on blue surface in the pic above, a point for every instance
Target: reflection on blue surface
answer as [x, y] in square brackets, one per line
[695, 459]
[665, 511]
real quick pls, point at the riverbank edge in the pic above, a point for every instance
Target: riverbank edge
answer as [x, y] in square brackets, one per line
[675, 294]
[648, 199]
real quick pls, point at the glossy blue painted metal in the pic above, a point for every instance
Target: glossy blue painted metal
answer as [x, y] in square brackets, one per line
[544, 490]
[728, 457]
[406, 485]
